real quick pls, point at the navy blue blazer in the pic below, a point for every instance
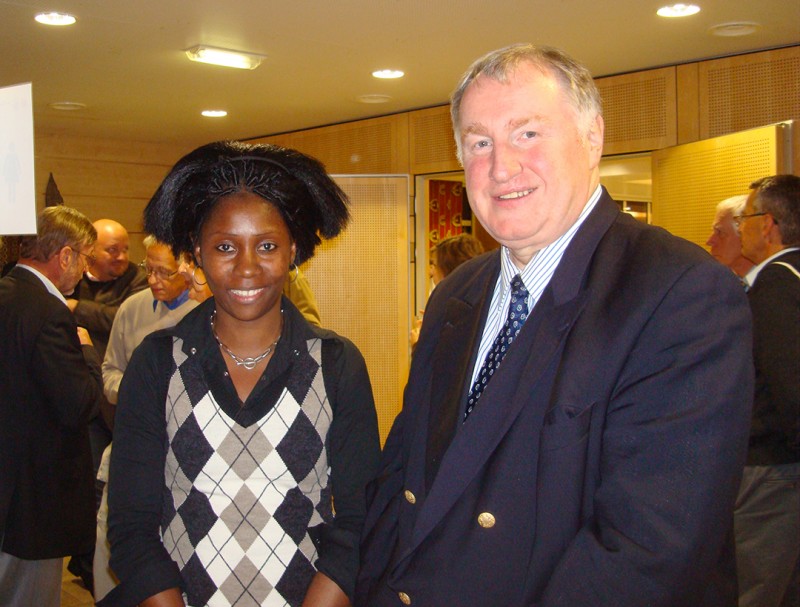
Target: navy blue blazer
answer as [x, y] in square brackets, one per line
[601, 464]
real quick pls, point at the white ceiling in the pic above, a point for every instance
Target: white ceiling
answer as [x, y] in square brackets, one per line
[125, 60]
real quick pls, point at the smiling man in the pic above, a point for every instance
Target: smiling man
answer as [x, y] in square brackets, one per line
[575, 421]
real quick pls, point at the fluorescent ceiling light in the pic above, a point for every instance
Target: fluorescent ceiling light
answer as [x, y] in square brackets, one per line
[735, 28]
[224, 57]
[388, 74]
[55, 18]
[678, 10]
[374, 98]
[67, 106]
[214, 113]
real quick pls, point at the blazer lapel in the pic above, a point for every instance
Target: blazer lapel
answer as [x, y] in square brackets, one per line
[453, 361]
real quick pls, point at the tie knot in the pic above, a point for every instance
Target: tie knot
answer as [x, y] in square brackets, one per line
[518, 290]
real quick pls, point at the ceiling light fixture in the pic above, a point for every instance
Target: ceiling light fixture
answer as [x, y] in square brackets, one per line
[734, 28]
[388, 74]
[55, 18]
[214, 113]
[67, 106]
[678, 10]
[224, 57]
[374, 98]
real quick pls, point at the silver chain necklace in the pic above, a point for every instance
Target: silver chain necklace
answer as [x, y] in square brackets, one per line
[248, 363]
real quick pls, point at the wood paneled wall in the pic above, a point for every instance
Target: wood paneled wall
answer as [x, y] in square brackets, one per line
[105, 179]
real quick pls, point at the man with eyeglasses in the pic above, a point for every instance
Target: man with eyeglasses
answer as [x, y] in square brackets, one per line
[767, 515]
[50, 387]
[162, 306]
[110, 279]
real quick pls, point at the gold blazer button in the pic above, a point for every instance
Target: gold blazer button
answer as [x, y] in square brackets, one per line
[486, 520]
[404, 598]
[411, 499]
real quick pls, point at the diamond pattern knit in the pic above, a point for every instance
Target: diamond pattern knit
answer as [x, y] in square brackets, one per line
[517, 313]
[238, 501]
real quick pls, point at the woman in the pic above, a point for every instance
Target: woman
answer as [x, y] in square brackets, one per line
[240, 428]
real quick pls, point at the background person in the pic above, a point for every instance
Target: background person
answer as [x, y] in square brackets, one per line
[50, 387]
[595, 459]
[446, 255]
[767, 514]
[268, 421]
[162, 305]
[724, 242]
[110, 279]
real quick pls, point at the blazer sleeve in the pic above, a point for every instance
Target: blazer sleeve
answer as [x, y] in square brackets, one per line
[673, 446]
[67, 373]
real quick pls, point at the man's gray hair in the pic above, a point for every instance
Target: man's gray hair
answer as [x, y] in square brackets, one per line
[779, 195]
[575, 79]
[57, 227]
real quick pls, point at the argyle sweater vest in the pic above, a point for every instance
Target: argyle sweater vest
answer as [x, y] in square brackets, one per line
[239, 502]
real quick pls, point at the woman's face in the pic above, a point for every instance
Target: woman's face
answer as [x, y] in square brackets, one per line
[245, 251]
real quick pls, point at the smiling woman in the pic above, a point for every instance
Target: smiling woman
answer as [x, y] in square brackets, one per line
[268, 419]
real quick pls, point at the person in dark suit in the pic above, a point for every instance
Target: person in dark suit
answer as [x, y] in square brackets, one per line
[597, 462]
[50, 386]
[767, 515]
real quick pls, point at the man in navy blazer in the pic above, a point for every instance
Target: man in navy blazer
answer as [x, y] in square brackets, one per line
[600, 464]
[50, 386]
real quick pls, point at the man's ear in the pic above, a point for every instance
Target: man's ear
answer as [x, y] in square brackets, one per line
[771, 231]
[594, 139]
[65, 257]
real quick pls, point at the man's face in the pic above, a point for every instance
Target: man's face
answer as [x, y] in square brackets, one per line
[751, 233]
[111, 254]
[530, 163]
[165, 282]
[78, 264]
[726, 247]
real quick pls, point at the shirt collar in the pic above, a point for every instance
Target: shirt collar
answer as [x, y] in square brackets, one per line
[171, 305]
[46, 281]
[750, 277]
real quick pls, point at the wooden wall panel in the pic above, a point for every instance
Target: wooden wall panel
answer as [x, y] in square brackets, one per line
[688, 103]
[361, 283]
[432, 146]
[375, 146]
[640, 110]
[747, 91]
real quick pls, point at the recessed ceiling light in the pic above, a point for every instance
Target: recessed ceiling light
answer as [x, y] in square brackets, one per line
[214, 113]
[224, 57]
[67, 106]
[678, 10]
[55, 18]
[388, 74]
[735, 28]
[374, 98]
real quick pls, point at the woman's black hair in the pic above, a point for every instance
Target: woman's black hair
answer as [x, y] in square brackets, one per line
[309, 201]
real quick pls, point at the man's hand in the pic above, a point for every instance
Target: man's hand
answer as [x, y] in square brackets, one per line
[83, 336]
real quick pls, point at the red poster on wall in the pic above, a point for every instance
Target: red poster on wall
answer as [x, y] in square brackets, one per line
[446, 201]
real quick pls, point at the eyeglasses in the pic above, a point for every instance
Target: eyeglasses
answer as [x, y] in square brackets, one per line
[88, 259]
[738, 218]
[159, 273]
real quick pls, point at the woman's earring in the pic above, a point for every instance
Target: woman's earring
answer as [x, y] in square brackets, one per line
[296, 270]
[194, 276]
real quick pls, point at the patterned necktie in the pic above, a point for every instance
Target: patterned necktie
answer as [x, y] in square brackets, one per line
[517, 313]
